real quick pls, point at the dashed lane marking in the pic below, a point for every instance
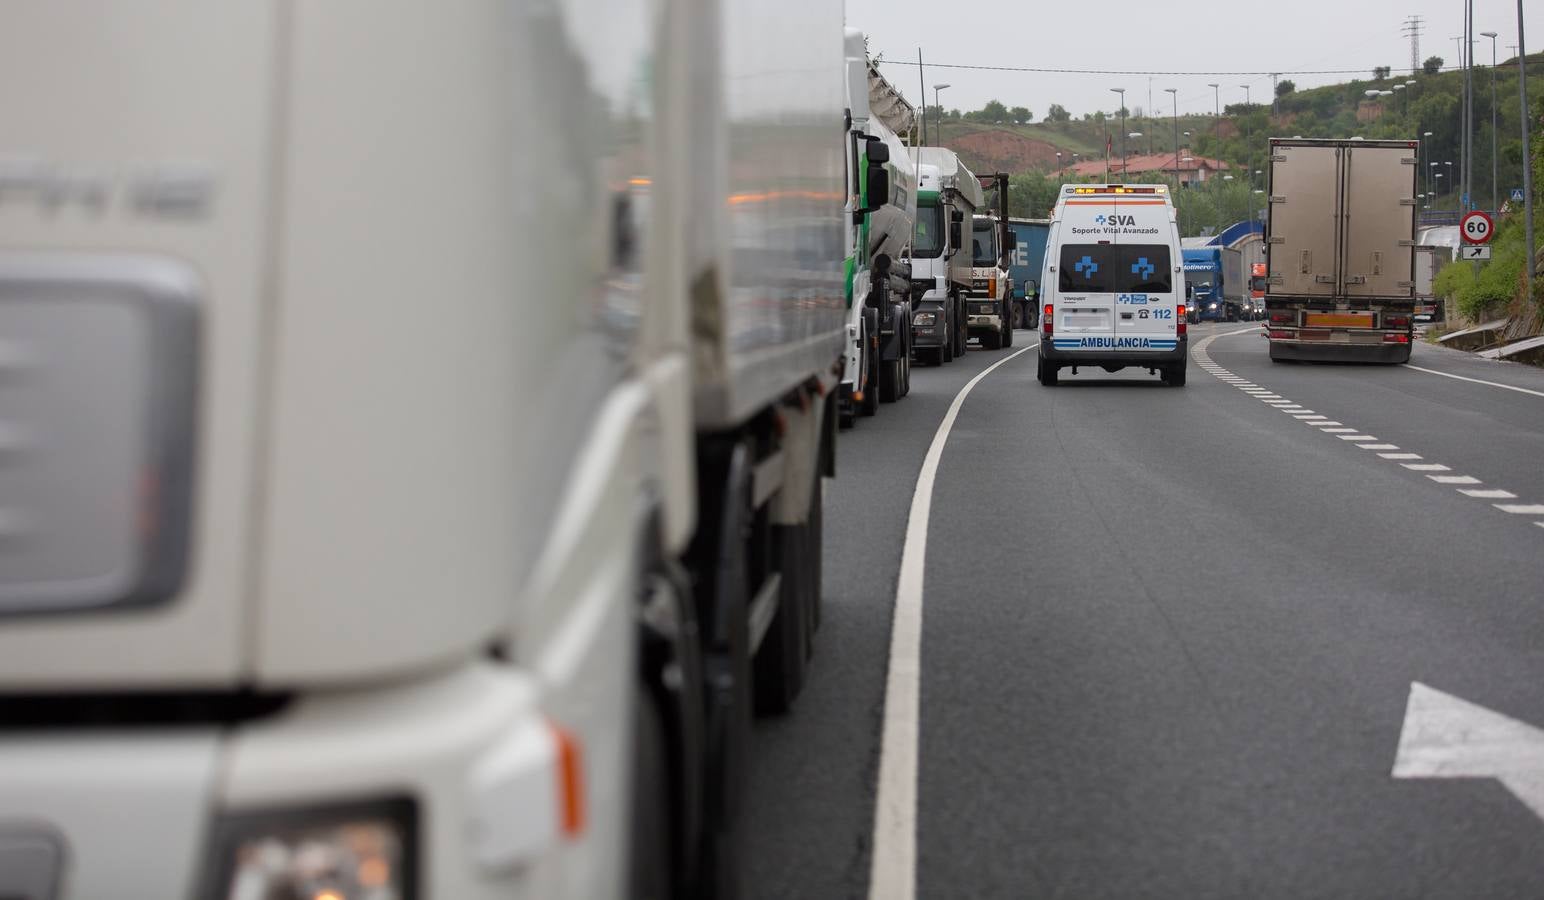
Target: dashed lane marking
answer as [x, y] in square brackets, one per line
[1366, 441]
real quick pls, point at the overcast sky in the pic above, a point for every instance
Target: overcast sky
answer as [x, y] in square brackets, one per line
[1143, 35]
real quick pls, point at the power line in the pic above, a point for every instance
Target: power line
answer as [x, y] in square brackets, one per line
[1054, 71]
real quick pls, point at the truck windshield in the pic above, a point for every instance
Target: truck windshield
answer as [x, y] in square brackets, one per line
[983, 243]
[1257, 284]
[1115, 269]
[928, 240]
[1201, 281]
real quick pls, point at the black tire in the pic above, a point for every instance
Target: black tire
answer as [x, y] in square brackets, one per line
[906, 373]
[650, 864]
[1047, 373]
[1174, 376]
[992, 340]
[889, 381]
[780, 659]
[1007, 340]
[723, 596]
[961, 330]
[946, 352]
[870, 404]
[816, 537]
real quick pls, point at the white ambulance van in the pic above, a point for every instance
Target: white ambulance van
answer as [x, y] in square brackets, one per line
[1113, 283]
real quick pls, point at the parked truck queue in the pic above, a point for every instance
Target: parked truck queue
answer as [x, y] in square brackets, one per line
[441, 535]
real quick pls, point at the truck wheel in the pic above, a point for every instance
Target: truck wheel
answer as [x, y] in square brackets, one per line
[816, 566]
[1047, 373]
[871, 388]
[651, 855]
[1007, 340]
[961, 331]
[890, 381]
[780, 660]
[1174, 376]
[722, 585]
[946, 352]
[992, 340]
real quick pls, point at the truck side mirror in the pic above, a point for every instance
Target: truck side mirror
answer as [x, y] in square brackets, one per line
[878, 151]
[878, 185]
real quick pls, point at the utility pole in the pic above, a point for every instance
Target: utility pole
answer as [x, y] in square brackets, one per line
[1495, 170]
[1149, 128]
[1468, 198]
[1522, 91]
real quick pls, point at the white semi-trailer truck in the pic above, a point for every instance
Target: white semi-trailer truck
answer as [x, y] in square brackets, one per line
[415, 417]
[1340, 249]
[881, 206]
[948, 196]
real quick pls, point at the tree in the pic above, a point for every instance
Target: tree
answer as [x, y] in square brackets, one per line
[1432, 65]
[1020, 115]
[1284, 88]
[1057, 113]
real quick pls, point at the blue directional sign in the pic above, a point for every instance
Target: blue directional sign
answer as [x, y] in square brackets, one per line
[1517, 194]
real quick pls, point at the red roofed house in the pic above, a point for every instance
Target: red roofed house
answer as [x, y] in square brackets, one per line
[1192, 169]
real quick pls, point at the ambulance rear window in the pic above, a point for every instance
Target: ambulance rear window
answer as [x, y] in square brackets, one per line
[1115, 269]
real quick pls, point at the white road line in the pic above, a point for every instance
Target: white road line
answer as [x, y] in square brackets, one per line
[1505, 387]
[1454, 479]
[1423, 467]
[1521, 509]
[893, 873]
[1379, 446]
[1407, 456]
[1338, 429]
[1486, 494]
[1355, 437]
[1540, 524]
[1322, 425]
[1310, 416]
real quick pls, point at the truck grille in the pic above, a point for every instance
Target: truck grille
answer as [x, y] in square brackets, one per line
[97, 368]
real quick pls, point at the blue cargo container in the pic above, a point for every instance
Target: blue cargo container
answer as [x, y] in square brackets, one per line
[1029, 236]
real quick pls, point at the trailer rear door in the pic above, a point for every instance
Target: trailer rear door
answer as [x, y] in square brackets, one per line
[1379, 224]
[1304, 207]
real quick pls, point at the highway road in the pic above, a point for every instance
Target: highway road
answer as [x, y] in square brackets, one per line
[1279, 633]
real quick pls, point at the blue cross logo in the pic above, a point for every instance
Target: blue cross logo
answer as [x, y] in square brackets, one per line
[1142, 267]
[1087, 266]
[1099, 219]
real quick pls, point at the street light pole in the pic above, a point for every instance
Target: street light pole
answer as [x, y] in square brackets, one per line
[1174, 94]
[1122, 93]
[938, 130]
[1495, 170]
[1426, 145]
[1522, 91]
[1217, 114]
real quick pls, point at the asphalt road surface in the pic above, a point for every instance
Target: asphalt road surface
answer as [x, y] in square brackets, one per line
[1170, 637]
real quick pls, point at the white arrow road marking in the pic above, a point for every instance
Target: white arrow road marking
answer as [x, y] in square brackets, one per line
[1445, 737]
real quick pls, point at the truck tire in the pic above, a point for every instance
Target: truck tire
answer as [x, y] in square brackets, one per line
[1174, 376]
[1046, 373]
[890, 381]
[780, 659]
[961, 329]
[1007, 331]
[816, 536]
[870, 404]
[651, 854]
[992, 340]
[722, 586]
[946, 352]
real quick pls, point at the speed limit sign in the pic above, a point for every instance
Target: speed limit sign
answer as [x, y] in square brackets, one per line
[1476, 227]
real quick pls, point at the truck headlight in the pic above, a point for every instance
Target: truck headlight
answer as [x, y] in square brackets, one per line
[361, 851]
[1212, 306]
[925, 320]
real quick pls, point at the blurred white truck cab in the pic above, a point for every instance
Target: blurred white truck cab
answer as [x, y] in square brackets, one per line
[413, 420]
